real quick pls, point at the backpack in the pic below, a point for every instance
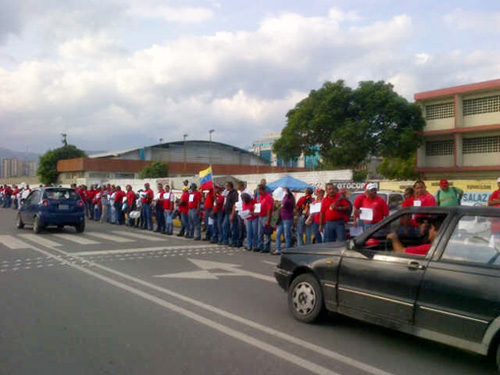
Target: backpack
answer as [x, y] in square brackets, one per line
[454, 191]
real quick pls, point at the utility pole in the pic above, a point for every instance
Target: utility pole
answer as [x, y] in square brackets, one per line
[210, 147]
[185, 166]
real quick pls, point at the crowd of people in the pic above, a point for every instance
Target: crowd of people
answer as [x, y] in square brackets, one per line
[237, 217]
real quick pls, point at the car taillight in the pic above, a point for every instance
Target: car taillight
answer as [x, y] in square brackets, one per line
[80, 203]
[45, 203]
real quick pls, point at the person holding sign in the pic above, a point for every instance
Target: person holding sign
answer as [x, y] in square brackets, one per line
[251, 221]
[184, 212]
[168, 210]
[422, 197]
[333, 209]
[229, 225]
[160, 215]
[371, 208]
[314, 215]
[302, 209]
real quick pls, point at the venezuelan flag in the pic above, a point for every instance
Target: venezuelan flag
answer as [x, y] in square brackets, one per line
[206, 182]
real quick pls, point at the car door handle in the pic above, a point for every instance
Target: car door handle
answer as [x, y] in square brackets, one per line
[414, 265]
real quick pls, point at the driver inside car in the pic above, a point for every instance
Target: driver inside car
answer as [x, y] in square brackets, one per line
[398, 247]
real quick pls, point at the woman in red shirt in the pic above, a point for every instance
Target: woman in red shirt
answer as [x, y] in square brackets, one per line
[251, 221]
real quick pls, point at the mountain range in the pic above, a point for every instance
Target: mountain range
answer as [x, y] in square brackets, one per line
[5, 153]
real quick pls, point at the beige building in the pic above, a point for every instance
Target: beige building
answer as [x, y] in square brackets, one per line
[18, 168]
[462, 132]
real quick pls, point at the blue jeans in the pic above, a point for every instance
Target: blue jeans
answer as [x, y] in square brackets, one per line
[317, 233]
[235, 231]
[194, 223]
[301, 228]
[225, 229]
[209, 228]
[284, 227]
[160, 218]
[184, 223]
[264, 239]
[252, 227]
[217, 229]
[97, 212]
[169, 221]
[147, 219]
[334, 231]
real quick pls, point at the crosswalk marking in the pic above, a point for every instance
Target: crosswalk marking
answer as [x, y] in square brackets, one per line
[110, 237]
[141, 250]
[40, 240]
[13, 243]
[77, 239]
[139, 235]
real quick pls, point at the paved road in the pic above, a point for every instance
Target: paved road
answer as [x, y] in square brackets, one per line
[119, 301]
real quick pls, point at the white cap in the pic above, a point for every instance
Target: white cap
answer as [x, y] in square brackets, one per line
[498, 179]
[371, 186]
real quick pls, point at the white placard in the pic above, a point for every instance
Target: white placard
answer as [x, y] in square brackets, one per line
[238, 206]
[417, 203]
[279, 194]
[314, 208]
[257, 208]
[366, 214]
[210, 221]
[166, 195]
[191, 198]
[124, 200]
[158, 197]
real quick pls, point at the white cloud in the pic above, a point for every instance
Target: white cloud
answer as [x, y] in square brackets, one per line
[473, 21]
[171, 14]
[106, 95]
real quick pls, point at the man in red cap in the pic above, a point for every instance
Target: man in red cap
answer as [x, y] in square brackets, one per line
[494, 200]
[447, 196]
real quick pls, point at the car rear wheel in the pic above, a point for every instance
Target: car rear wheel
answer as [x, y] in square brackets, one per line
[305, 298]
[37, 225]
[80, 227]
[19, 222]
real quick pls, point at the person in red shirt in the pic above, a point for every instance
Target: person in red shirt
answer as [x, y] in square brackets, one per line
[398, 246]
[119, 198]
[422, 197]
[265, 203]
[168, 210]
[333, 209]
[183, 211]
[218, 215]
[194, 213]
[251, 221]
[159, 213]
[494, 200]
[371, 208]
[209, 217]
[302, 211]
[147, 211]
[315, 217]
[130, 195]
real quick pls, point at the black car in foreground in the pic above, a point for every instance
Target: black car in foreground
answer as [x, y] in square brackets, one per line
[424, 271]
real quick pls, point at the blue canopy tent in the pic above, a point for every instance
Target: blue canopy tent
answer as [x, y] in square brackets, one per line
[289, 182]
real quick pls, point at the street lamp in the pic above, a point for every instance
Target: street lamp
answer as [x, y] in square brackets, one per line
[185, 136]
[210, 146]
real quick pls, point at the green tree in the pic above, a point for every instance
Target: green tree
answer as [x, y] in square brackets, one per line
[156, 169]
[47, 166]
[398, 168]
[351, 125]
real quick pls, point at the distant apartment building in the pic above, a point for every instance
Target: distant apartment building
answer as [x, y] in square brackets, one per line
[462, 132]
[264, 148]
[18, 168]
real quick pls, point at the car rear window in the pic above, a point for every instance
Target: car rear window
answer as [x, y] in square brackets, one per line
[61, 195]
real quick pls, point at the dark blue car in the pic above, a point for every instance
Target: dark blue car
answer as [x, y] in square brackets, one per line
[52, 207]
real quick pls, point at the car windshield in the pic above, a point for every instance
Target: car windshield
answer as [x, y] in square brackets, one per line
[60, 195]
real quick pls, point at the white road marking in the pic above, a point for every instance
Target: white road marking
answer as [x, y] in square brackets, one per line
[250, 340]
[109, 237]
[271, 263]
[39, 240]
[206, 265]
[139, 250]
[139, 235]
[226, 314]
[13, 243]
[77, 239]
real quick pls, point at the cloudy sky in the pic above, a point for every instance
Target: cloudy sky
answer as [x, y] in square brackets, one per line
[115, 74]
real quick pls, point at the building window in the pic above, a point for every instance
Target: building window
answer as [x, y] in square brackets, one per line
[266, 154]
[481, 145]
[482, 105]
[439, 148]
[439, 111]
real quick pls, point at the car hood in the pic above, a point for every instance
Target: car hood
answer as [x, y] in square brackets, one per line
[332, 248]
